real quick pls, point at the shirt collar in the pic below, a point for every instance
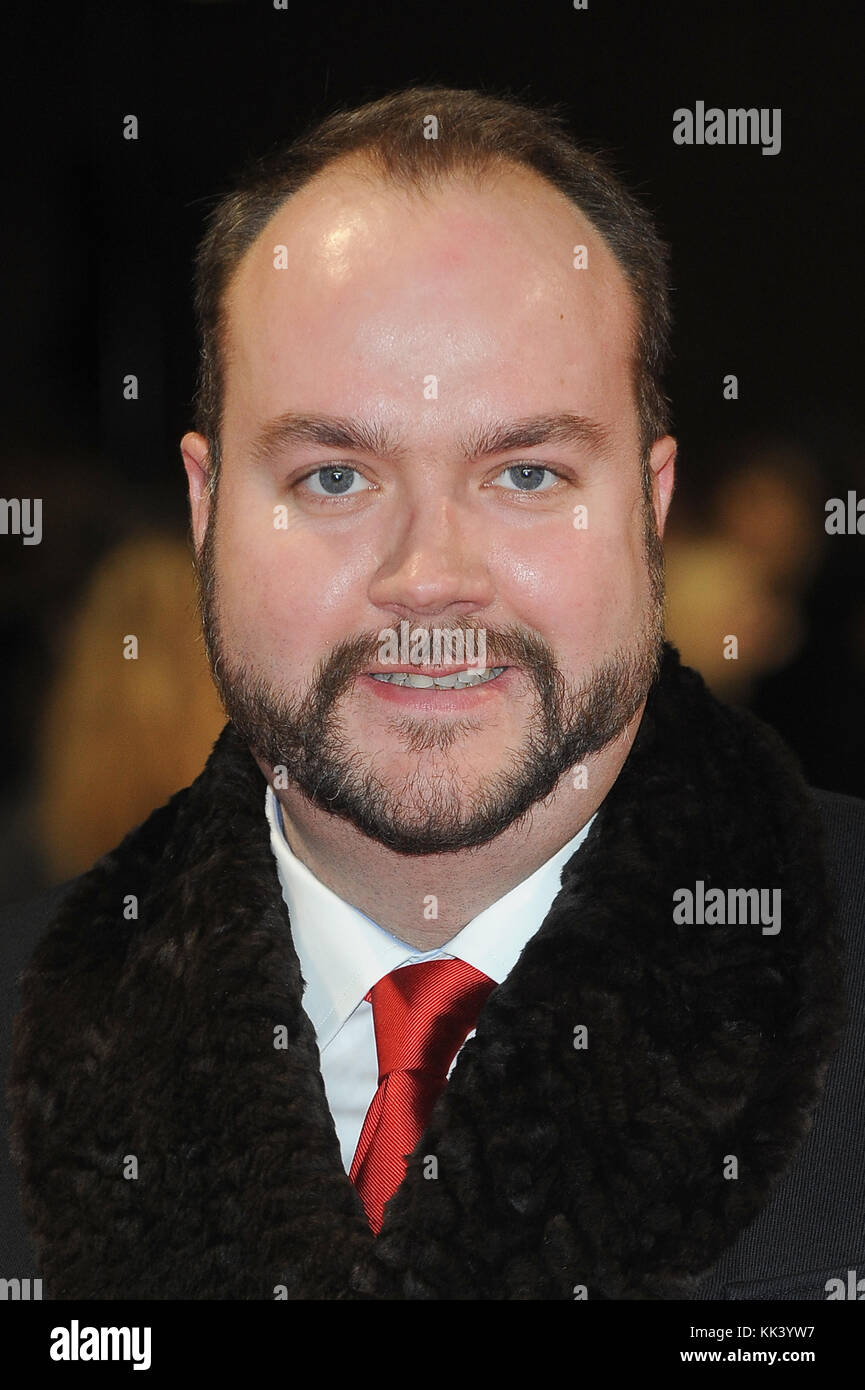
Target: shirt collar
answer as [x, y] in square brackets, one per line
[343, 953]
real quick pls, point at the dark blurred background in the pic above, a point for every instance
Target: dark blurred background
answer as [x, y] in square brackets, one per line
[97, 245]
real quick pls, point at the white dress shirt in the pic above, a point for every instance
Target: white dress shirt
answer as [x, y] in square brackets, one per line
[343, 953]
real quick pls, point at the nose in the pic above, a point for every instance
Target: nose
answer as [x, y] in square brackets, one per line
[435, 564]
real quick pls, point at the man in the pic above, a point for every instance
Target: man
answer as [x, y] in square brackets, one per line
[489, 957]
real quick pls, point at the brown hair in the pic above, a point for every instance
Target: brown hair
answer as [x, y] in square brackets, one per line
[475, 132]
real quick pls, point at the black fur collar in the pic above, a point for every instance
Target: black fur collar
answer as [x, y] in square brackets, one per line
[557, 1167]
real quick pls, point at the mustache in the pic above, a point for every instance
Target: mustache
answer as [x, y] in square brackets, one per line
[505, 646]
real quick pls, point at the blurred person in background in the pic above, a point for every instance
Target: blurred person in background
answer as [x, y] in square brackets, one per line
[740, 568]
[114, 737]
[121, 732]
[817, 699]
[748, 557]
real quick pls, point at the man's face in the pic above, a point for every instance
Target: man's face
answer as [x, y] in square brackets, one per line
[432, 323]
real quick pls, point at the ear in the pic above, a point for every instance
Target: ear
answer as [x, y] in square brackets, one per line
[196, 461]
[662, 463]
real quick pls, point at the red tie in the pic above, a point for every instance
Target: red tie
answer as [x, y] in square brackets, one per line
[422, 1016]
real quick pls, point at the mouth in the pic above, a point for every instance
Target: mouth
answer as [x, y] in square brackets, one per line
[457, 678]
[448, 693]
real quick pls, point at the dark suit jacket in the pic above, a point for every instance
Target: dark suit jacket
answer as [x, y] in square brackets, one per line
[706, 1143]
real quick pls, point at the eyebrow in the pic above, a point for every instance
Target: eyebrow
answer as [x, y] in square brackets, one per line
[499, 437]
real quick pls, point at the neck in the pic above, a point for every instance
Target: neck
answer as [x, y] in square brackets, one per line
[395, 889]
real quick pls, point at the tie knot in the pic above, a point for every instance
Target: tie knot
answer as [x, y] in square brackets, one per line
[423, 1013]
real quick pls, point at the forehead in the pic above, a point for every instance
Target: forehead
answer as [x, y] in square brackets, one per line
[362, 288]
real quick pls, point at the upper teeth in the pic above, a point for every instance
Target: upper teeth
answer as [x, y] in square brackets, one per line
[455, 682]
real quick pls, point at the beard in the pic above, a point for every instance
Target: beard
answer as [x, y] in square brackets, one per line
[428, 812]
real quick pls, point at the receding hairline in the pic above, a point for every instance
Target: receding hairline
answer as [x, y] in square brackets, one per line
[476, 136]
[481, 172]
[372, 166]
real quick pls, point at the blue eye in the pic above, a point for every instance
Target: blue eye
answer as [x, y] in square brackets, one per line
[527, 477]
[334, 481]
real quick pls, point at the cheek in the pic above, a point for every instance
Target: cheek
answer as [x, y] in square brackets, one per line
[285, 596]
[577, 585]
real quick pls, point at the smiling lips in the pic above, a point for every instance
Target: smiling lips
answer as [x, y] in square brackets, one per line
[454, 680]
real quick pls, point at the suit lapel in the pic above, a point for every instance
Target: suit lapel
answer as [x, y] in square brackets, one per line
[179, 1039]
